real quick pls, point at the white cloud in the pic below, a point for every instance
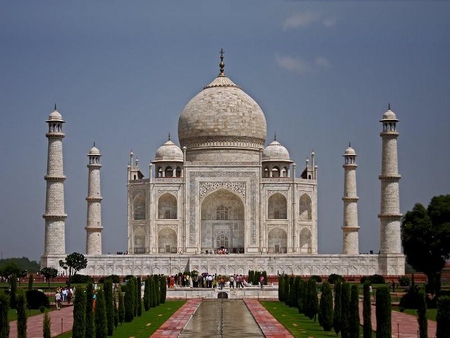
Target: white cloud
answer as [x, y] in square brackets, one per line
[329, 22]
[293, 64]
[300, 20]
[320, 61]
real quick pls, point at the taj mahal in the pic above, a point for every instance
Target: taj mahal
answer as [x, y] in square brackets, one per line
[225, 200]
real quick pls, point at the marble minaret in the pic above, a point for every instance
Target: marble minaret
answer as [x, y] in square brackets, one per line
[390, 216]
[55, 215]
[350, 227]
[94, 207]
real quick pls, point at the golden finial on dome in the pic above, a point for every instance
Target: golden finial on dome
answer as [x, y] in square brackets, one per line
[221, 64]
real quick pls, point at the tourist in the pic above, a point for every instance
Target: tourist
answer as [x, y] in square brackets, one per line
[58, 300]
[231, 281]
[261, 281]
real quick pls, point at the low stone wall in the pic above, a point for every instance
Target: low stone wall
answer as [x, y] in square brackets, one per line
[268, 292]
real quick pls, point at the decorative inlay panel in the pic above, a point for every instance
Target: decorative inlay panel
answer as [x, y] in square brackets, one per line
[206, 187]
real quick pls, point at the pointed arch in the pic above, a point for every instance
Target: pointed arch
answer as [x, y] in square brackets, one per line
[305, 207]
[167, 241]
[305, 241]
[139, 207]
[277, 207]
[167, 207]
[277, 240]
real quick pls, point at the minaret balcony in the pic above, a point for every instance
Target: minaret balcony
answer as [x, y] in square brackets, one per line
[390, 177]
[54, 217]
[61, 178]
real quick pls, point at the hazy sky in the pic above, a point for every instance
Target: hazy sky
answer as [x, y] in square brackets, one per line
[122, 71]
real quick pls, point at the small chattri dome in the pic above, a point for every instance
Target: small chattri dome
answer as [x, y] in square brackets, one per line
[389, 115]
[94, 151]
[55, 116]
[350, 151]
[169, 152]
[275, 151]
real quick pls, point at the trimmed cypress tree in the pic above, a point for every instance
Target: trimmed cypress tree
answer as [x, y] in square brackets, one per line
[90, 322]
[295, 291]
[21, 315]
[4, 307]
[157, 293]
[345, 311]
[281, 288]
[146, 294]
[422, 315]
[383, 312]
[354, 312]
[139, 296]
[326, 307]
[337, 315]
[442, 316]
[302, 297]
[116, 316]
[367, 311]
[291, 291]
[101, 325]
[121, 306]
[286, 289]
[163, 289]
[13, 292]
[30, 281]
[312, 303]
[79, 313]
[46, 326]
[130, 300]
[109, 305]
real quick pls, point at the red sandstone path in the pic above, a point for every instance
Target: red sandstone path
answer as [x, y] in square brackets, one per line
[402, 323]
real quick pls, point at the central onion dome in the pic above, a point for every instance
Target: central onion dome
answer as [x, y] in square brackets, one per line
[219, 118]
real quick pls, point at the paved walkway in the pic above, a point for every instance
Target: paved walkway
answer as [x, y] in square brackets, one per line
[403, 325]
[61, 321]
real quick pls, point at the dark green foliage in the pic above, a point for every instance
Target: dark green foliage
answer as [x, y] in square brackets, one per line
[158, 291]
[290, 301]
[36, 299]
[146, 293]
[281, 288]
[286, 289]
[101, 324]
[138, 295]
[367, 311]
[264, 274]
[334, 278]
[30, 281]
[422, 315]
[81, 279]
[121, 307]
[295, 291]
[74, 262]
[354, 312]
[337, 308]
[79, 313]
[20, 264]
[442, 317]
[302, 296]
[410, 299]
[404, 281]
[130, 300]
[383, 312]
[21, 315]
[312, 303]
[4, 307]
[251, 276]
[326, 307]
[116, 316]
[49, 274]
[109, 304]
[46, 326]
[345, 310]
[13, 292]
[90, 322]
[163, 289]
[316, 278]
[373, 279]
[153, 292]
[114, 279]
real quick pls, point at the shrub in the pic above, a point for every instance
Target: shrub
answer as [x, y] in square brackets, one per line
[422, 315]
[373, 279]
[30, 281]
[130, 296]
[383, 313]
[354, 312]
[404, 281]
[281, 288]
[108, 293]
[81, 279]
[42, 309]
[21, 315]
[312, 303]
[13, 292]
[90, 323]
[337, 308]
[302, 296]
[326, 307]
[101, 329]
[163, 289]
[4, 307]
[36, 299]
[367, 311]
[316, 278]
[113, 278]
[443, 314]
[345, 311]
[79, 313]
[121, 306]
[46, 326]
[410, 299]
[334, 279]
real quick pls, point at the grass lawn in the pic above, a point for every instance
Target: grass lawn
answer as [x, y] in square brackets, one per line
[299, 325]
[12, 314]
[147, 324]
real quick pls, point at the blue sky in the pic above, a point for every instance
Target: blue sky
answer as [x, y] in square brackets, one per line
[121, 73]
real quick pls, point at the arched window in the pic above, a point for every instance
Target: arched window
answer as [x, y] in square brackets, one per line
[222, 212]
[305, 207]
[222, 240]
[277, 207]
[266, 172]
[275, 172]
[167, 207]
[178, 172]
[169, 172]
[160, 172]
[139, 207]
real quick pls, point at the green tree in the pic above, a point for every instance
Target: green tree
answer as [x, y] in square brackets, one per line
[108, 293]
[90, 322]
[312, 300]
[442, 316]
[130, 300]
[426, 238]
[337, 308]
[4, 307]
[121, 306]
[46, 326]
[9, 268]
[281, 288]
[354, 312]
[422, 315]
[146, 294]
[326, 307]
[101, 329]
[74, 262]
[138, 296]
[302, 296]
[383, 312]
[163, 288]
[345, 311]
[79, 313]
[49, 273]
[13, 292]
[21, 315]
[367, 311]
[30, 281]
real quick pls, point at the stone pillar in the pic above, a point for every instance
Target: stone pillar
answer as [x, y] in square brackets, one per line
[94, 207]
[350, 226]
[55, 216]
[390, 216]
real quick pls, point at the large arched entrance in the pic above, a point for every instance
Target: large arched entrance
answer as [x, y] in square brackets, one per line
[222, 230]
[167, 241]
